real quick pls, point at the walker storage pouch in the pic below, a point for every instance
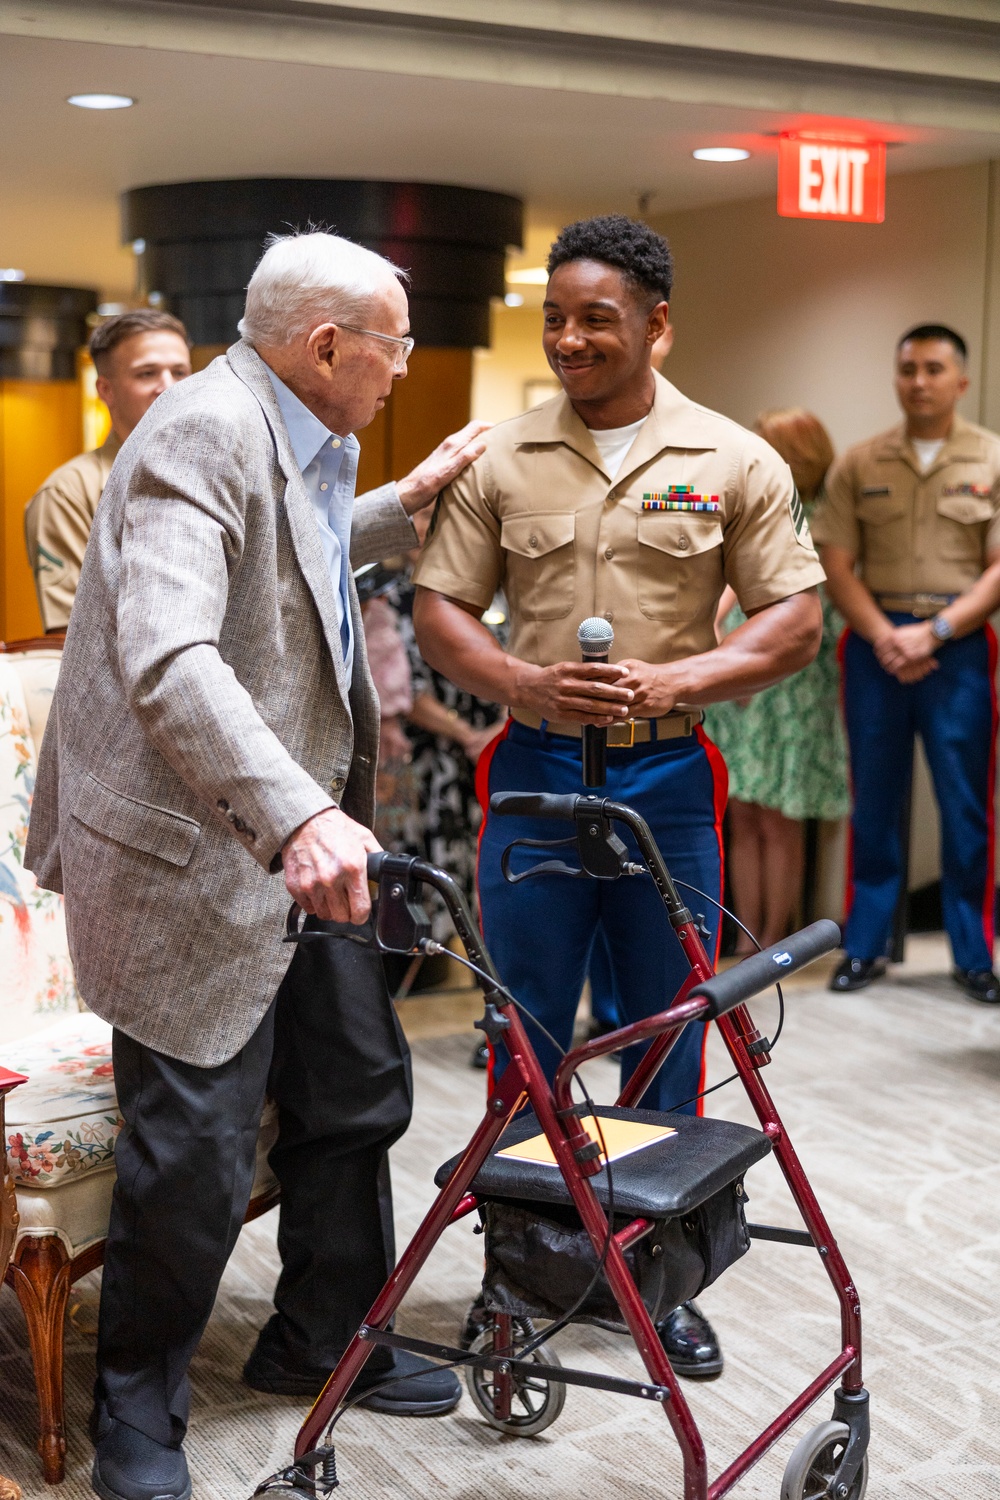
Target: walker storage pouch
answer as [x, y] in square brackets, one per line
[540, 1261]
[688, 1181]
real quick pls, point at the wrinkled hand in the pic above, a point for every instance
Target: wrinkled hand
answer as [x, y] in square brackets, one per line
[424, 483]
[326, 867]
[653, 690]
[578, 693]
[907, 651]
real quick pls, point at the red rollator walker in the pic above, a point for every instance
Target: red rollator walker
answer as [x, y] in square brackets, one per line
[616, 1239]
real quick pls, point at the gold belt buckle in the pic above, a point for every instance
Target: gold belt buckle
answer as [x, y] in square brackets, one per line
[621, 744]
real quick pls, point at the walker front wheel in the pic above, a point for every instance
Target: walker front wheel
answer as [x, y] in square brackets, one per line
[534, 1403]
[813, 1463]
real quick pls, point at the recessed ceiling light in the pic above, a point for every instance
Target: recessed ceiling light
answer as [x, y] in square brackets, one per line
[101, 101]
[10, 273]
[514, 299]
[720, 153]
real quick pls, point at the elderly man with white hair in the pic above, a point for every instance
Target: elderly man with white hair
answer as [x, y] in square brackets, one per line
[210, 756]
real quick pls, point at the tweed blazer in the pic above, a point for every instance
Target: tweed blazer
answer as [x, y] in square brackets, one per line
[202, 714]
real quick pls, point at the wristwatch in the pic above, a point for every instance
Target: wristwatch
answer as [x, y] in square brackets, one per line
[941, 629]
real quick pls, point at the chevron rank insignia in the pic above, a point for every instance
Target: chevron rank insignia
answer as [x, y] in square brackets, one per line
[679, 497]
[798, 514]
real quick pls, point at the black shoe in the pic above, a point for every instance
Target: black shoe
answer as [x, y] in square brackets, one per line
[480, 1056]
[855, 973]
[128, 1465]
[420, 1388]
[478, 1319]
[690, 1343]
[981, 984]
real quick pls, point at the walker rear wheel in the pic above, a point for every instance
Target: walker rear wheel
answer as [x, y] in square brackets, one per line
[535, 1402]
[813, 1463]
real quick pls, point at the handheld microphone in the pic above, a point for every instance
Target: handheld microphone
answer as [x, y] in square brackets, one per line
[596, 639]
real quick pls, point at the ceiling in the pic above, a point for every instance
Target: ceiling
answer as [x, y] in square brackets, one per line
[201, 116]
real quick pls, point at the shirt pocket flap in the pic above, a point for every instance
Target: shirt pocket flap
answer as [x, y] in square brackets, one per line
[680, 534]
[139, 825]
[875, 510]
[969, 509]
[534, 535]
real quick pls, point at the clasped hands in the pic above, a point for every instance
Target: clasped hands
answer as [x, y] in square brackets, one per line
[600, 693]
[906, 652]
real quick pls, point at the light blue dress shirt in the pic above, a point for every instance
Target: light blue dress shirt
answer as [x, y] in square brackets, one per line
[329, 467]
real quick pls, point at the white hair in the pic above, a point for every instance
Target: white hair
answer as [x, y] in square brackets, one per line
[303, 280]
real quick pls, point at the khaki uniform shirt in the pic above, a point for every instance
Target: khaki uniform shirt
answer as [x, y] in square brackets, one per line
[57, 524]
[915, 532]
[538, 516]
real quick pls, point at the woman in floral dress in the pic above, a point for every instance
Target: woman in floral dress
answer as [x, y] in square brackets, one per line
[784, 747]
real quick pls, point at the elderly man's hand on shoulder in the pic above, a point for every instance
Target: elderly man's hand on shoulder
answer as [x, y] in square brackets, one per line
[449, 459]
[326, 867]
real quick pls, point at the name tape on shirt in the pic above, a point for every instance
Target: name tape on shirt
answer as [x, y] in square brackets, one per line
[679, 497]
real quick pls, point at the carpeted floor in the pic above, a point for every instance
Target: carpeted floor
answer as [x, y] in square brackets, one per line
[891, 1098]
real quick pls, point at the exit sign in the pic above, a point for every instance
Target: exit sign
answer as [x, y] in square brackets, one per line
[837, 179]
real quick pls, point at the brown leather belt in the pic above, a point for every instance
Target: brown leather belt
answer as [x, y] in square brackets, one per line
[621, 736]
[924, 606]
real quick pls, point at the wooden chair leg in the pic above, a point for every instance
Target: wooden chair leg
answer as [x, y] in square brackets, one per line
[40, 1273]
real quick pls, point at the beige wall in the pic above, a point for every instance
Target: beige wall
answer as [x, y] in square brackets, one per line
[775, 312]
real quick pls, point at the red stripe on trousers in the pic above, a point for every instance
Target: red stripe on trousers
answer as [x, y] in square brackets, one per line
[989, 895]
[720, 796]
[483, 766]
[849, 863]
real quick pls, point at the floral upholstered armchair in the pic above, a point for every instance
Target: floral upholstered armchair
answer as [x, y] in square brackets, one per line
[61, 1125]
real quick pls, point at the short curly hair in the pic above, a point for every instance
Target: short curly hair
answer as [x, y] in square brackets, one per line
[642, 255]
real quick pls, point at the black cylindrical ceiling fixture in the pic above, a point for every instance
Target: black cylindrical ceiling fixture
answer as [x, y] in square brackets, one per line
[200, 242]
[41, 328]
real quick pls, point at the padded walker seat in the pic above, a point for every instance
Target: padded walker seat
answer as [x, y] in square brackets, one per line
[661, 1181]
[540, 1262]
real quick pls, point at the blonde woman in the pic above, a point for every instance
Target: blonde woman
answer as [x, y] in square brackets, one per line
[785, 747]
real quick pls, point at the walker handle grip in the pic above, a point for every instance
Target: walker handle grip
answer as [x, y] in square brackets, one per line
[535, 804]
[725, 991]
[375, 864]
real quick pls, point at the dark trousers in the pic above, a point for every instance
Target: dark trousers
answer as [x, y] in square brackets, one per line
[331, 1054]
[953, 710]
[542, 933]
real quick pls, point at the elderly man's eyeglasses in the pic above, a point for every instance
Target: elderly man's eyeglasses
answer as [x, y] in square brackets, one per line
[403, 347]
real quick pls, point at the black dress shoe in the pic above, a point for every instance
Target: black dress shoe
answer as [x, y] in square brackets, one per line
[981, 984]
[419, 1389]
[855, 973]
[477, 1319]
[128, 1465]
[690, 1343]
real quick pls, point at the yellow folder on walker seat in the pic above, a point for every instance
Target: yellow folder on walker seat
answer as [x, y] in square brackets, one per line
[621, 1138]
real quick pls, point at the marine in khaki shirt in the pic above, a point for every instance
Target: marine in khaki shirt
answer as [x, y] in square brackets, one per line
[918, 535]
[698, 502]
[137, 356]
[57, 524]
[910, 538]
[619, 498]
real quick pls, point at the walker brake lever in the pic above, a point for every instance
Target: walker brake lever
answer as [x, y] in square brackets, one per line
[547, 867]
[296, 934]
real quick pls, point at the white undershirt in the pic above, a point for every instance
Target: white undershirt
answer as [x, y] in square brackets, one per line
[927, 450]
[613, 443]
